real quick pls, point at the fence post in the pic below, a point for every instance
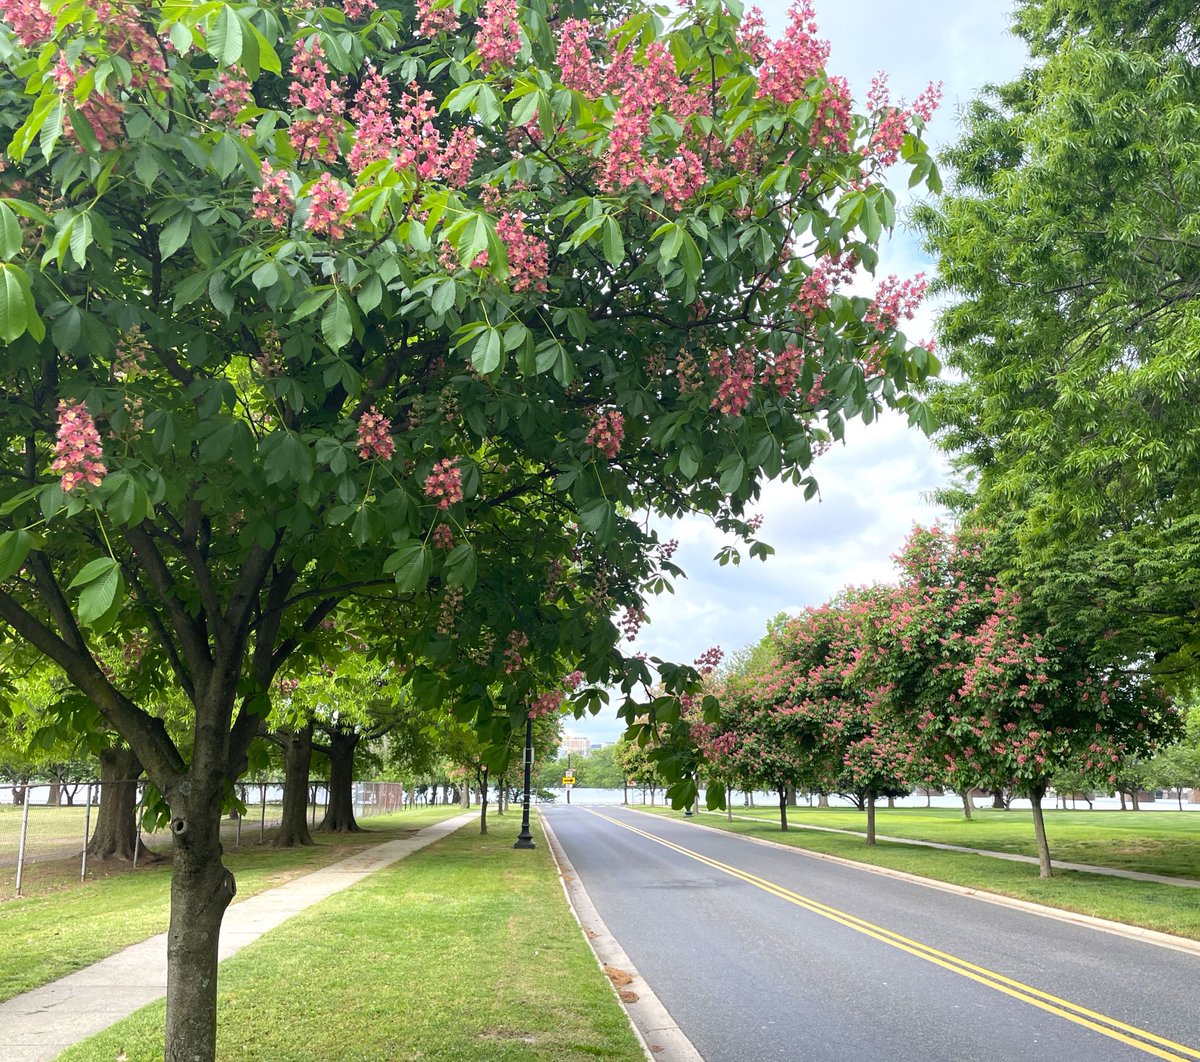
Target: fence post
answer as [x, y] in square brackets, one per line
[87, 829]
[137, 830]
[262, 820]
[21, 843]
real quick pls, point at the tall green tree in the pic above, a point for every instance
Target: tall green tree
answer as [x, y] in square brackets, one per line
[1067, 247]
[315, 304]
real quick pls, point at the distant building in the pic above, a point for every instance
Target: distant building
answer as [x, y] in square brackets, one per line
[577, 746]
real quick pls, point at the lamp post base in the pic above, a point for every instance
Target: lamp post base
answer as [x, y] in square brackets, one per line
[525, 840]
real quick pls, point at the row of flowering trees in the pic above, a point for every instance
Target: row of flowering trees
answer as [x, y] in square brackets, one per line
[943, 679]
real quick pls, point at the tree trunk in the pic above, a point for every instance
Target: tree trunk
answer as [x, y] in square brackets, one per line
[115, 833]
[1133, 796]
[1121, 794]
[783, 808]
[998, 800]
[1039, 829]
[823, 800]
[483, 798]
[297, 759]
[966, 799]
[892, 802]
[339, 815]
[791, 795]
[201, 888]
[728, 803]
[870, 818]
[929, 798]
[18, 793]
[626, 788]
[54, 797]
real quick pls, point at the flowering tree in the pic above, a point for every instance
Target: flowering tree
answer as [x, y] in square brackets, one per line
[304, 304]
[985, 696]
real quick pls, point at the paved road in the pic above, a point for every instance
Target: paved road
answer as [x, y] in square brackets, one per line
[762, 954]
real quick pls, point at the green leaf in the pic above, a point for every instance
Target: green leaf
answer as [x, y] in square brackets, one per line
[443, 296]
[100, 593]
[174, 234]
[15, 546]
[614, 245]
[10, 233]
[411, 566]
[81, 238]
[268, 58]
[461, 566]
[731, 478]
[51, 130]
[337, 324]
[16, 302]
[485, 355]
[224, 40]
[91, 571]
[593, 515]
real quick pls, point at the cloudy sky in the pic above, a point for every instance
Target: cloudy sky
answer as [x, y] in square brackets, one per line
[875, 487]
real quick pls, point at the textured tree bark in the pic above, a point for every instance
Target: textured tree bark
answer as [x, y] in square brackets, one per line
[339, 816]
[201, 888]
[966, 801]
[483, 798]
[870, 818]
[1039, 830]
[297, 760]
[998, 803]
[791, 795]
[823, 800]
[783, 809]
[115, 833]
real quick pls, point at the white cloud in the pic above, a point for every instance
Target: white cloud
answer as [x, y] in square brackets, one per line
[873, 489]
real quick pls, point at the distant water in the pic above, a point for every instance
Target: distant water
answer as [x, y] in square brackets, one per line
[637, 797]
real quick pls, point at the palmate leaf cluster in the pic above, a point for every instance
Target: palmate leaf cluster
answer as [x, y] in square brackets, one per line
[1069, 249]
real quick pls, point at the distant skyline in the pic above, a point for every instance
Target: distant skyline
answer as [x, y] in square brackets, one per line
[876, 486]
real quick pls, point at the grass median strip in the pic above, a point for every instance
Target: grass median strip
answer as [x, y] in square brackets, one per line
[464, 950]
[1165, 908]
[54, 934]
[1155, 842]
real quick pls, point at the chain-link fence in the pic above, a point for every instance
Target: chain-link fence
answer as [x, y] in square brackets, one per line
[50, 833]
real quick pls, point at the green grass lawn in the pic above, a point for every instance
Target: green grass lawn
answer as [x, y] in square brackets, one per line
[1167, 908]
[50, 935]
[1158, 842]
[464, 951]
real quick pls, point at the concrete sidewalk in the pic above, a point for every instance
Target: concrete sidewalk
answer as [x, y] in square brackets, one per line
[38, 1025]
[1057, 864]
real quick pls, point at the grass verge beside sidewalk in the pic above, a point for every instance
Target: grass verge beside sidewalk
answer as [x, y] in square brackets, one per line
[51, 935]
[1166, 908]
[464, 950]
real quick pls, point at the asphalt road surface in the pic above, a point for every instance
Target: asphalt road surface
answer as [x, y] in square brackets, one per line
[762, 954]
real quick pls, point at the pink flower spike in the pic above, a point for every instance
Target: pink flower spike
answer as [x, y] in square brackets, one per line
[77, 451]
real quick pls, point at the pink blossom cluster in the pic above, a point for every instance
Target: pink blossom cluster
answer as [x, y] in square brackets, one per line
[498, 39]
[128, 37]
[357, 9]
[709, 660]
[443, 537]
[288, 686]
[433, 20]
[130, 356]
[527, 253]
[375, 436]
[687, 373]
[735, 374]
[102, 112]
[513, 657]
[790, 63]
[312, 90]
[229, 96]
[327, 202]
[677, 180]
[892, 122]
[448, 610]
[753, 36]
[828, 272]
[545, 704]
[631, 622]
[607, 432]
[372, 118]
[78, 456]
[458, 161]
[273, 200]
[895, 300]
[834, 123]
[785, 369]
[443, 486]
[574, 680]
[30, 21]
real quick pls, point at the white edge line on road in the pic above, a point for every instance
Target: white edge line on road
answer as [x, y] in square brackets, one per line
[1104, 925]
[661, 1038]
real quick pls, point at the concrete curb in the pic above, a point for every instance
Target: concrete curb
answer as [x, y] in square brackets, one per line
[40, 1024]
[1104, 925]
[661, 1038]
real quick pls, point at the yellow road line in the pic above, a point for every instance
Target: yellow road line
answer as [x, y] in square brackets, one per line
[1145, 1041]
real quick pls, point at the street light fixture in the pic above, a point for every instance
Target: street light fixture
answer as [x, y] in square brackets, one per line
[525, 838]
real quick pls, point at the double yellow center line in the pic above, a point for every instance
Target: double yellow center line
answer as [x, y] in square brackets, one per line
[1144, 1041]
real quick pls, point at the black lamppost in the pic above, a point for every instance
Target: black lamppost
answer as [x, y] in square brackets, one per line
[525, 838]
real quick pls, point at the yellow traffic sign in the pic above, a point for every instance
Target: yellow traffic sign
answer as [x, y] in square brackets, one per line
[568, 779]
